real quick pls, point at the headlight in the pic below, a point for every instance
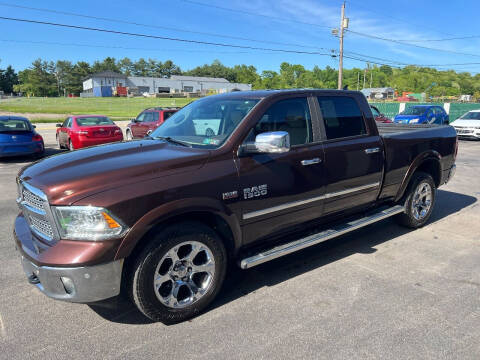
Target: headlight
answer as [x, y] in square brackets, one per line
[414, 121]
[87, 223]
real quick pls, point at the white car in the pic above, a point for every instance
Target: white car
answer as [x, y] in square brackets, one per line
[468, 125]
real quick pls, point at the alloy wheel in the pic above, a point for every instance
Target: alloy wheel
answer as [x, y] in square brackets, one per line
[184, 274]
[422, 200]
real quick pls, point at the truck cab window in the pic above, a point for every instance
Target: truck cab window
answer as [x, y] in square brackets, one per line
[290, 115]
[342, 117]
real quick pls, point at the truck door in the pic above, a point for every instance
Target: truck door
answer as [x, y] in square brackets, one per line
[279, 191]
[353, 165]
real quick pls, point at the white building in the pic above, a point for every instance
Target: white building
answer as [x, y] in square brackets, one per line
[95, 84]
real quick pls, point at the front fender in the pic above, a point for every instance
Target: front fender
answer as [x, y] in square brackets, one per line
[417, 162]
[164, 212]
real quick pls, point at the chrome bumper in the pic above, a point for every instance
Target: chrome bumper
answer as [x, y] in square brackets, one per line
[76, 284]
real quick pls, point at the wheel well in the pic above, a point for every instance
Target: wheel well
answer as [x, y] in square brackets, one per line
[431, 167]
[216, 222]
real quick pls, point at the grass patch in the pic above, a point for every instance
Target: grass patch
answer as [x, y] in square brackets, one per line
[41, 120]
[114, 107]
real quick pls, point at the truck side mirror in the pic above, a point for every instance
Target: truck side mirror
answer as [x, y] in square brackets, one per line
[268, 142]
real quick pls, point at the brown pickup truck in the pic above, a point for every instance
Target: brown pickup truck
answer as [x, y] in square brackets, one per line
[278, 171]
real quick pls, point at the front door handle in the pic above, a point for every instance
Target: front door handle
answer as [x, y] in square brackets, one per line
[372, 150]
[311, 161]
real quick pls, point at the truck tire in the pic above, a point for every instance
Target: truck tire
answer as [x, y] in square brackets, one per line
[419, 201]
[178, 273]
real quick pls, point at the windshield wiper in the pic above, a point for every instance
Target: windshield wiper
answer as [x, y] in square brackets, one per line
[172, 140]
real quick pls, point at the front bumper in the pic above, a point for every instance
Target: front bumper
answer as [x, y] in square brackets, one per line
[77, 284]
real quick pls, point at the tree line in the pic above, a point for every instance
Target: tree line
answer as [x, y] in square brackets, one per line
[48, 78]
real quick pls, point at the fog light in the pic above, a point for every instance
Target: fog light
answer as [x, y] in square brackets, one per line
[68, 284]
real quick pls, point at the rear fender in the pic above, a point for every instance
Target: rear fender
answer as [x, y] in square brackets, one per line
[430, 155]
[167, 212]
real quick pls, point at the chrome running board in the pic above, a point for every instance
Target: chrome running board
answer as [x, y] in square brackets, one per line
[314, 239]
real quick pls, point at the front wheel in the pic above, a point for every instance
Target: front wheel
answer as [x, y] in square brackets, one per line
[419, 201]
[178, 273]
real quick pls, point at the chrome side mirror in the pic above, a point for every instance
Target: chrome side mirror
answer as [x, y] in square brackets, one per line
[269, 142]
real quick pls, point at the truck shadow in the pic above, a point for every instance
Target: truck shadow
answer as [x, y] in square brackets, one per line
[240, 283]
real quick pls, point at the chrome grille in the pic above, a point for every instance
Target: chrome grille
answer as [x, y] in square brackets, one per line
[41, 226]
[33, 200]
[35, 208]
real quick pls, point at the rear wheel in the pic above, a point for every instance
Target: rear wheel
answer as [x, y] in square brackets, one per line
[128, 135]
[58, 143]
[419, 201]
[178, 273]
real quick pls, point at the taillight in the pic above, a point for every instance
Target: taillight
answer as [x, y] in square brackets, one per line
[37, 137]
[118, 131]
[81, 132]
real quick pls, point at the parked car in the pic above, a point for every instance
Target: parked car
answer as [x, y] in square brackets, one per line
[19, 137]
[423, 114]
[378, 116]
[468, 125]
[147, 121]
[163, 217]
[81, 131]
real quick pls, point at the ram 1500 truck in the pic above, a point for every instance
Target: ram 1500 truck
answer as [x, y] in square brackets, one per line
[162, 217]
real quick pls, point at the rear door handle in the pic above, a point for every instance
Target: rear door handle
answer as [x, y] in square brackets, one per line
[311, 161]
[372, 150]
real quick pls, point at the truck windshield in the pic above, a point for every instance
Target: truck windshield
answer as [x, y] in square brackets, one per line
[471, 115]
[413, 110]
[207, 122]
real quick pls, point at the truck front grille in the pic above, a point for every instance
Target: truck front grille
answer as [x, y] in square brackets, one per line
[33, 200]
[35, 208]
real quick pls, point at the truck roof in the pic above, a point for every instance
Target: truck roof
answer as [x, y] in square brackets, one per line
[258, 94]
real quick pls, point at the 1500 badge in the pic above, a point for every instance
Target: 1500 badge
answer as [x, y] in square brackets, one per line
[255, 191]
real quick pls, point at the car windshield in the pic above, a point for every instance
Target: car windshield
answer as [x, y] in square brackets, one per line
[414, 110]
[207, 122]
[94, 120]
[471, 115]
[9, 125]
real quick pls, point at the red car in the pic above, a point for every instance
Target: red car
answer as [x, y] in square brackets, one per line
[81, 131]
[379, 117]
[147, 121]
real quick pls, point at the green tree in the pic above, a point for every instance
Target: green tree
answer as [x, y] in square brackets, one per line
[8, 78]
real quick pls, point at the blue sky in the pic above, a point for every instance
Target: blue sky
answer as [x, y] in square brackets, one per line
[404, 20]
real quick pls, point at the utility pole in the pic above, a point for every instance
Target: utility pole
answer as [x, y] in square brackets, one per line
[343, 25]
[358, 80]
[364, 76]
[371, 78]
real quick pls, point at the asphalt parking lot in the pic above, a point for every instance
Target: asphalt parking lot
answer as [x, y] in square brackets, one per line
[382, 292]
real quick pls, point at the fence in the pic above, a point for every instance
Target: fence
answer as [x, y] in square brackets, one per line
[455, 110]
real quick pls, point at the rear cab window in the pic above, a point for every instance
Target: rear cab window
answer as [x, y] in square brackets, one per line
[341, 116]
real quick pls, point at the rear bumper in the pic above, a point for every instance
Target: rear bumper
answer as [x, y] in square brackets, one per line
[7, 150]
[84, 142]
[77, 284]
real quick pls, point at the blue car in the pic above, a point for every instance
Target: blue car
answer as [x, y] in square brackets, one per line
[18, 137]
[422, 114]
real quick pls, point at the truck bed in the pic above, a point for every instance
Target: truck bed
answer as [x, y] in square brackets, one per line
[388, 129]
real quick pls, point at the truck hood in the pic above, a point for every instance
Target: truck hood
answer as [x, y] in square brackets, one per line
[67, 178]
[466, 123]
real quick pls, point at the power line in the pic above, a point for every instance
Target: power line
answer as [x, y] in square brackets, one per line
[397, 19]
[78, 27]
[123, 47]
[254, 14]
[155, 26]
[409, 44]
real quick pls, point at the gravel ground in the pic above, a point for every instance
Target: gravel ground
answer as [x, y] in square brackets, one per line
[383, 292]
